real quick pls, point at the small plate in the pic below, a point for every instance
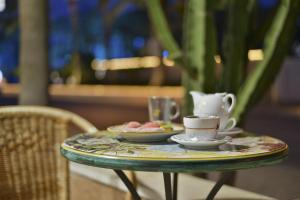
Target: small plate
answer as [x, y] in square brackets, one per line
[232, 132]
[194, 143]
[145, 136]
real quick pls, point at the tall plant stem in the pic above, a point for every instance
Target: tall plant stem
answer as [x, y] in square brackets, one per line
[234, 45]
[199, 42]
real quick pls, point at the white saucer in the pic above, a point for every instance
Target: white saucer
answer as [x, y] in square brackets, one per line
[195, 143]
[232, 132]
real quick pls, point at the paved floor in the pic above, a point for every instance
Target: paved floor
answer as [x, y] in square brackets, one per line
[281, 181]
[86, 189]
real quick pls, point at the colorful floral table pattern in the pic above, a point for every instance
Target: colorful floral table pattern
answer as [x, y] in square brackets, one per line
[104, 144]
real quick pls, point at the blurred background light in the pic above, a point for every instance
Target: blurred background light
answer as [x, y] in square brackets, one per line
[1, 76]
[2, 5]
[165, 53]
[154, 61]
[255, 55]
[126, 63]
[168, 62]
[217, 59]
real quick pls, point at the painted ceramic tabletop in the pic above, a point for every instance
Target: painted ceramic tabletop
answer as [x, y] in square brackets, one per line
[102, 149]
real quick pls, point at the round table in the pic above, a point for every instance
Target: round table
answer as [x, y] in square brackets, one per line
[101, 149]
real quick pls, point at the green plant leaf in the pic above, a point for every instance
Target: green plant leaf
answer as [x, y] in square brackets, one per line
[277, 42]
[162, 29]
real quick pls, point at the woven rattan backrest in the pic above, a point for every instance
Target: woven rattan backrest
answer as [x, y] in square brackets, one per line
[31, 167]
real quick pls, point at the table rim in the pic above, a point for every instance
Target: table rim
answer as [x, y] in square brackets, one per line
[149, 159]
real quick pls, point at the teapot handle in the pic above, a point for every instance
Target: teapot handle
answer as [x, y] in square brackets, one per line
[233, 100]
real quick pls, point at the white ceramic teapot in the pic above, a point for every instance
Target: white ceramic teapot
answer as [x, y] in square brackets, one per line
[217, 104]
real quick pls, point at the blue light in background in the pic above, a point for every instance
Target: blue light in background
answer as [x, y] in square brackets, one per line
[87, 6]
[112, 3]
[138, 42]
[117, 46]
[267, 4]
[58, 9]
[165, 53]
[99, 51]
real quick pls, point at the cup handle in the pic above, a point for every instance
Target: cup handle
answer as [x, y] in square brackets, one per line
[233, 123]
[233, 101]
[177, 112]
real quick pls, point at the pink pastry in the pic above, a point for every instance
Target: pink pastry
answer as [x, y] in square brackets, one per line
[151, 125]
[133, 124]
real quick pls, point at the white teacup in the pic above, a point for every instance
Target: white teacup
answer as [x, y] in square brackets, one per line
[215, 104]
[201, 127]
[205, 122]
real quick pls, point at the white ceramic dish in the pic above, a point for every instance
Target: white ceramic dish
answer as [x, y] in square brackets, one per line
[146, 136]
[232, 132]
[195, 143]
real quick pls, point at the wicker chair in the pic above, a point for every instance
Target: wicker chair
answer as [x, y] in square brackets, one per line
[31, 167]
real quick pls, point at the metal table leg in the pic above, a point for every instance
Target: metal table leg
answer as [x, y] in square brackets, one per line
[175, 185]
[168, 188]
[128, 184]
[218, 185]
[231, 181]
